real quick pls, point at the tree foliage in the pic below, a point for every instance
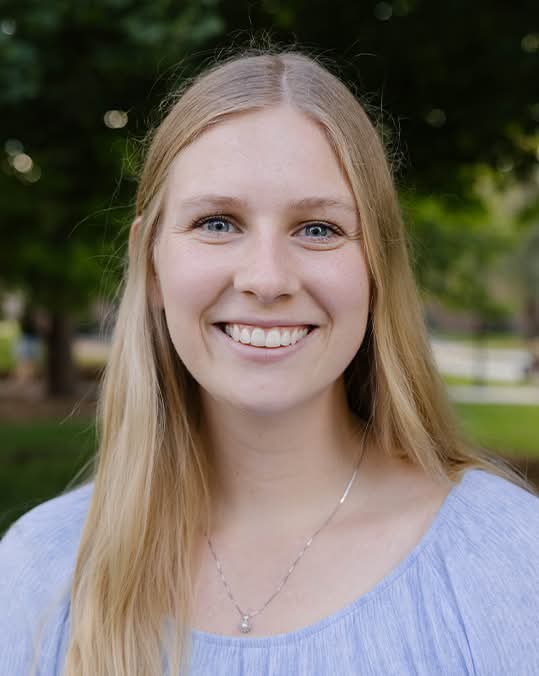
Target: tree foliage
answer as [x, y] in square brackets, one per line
[454, 85]
[75, 79]
[64, 66]
[457, 83]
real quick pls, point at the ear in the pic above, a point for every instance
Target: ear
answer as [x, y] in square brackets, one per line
[133, 234]
[155, 288]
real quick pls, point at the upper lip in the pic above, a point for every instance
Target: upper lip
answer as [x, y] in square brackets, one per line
[266, 323]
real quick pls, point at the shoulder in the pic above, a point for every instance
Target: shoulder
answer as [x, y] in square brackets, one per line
[37, 559]
[494, 516]
[47, 534]
[487, 555]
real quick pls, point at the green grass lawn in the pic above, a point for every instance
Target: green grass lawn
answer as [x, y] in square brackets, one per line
[450, 379]
[39, 459]
[509, 430]
[7, 357]
[8, 337]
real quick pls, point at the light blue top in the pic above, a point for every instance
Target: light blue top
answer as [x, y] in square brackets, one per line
[464, 601]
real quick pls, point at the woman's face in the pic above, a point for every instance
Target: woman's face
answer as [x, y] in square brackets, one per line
[251, 245]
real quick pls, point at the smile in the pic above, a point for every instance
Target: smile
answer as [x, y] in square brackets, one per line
[272, 337]
[262, 355]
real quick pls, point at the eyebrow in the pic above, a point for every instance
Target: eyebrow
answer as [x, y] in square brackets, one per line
[228, 201]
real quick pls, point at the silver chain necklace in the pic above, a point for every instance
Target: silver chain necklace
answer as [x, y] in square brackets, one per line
[245, 625]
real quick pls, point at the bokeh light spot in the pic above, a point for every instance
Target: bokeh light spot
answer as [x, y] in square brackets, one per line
[13, 146]
[436, 117]
[115, 119]
[22, 163]
[530, 42]
[8, 26]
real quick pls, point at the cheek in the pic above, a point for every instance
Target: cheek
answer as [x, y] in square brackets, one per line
[351, 316]
[186, 290]
[346, 290]
[188, 281]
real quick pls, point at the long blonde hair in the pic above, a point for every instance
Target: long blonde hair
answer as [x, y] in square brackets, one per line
[131, 602]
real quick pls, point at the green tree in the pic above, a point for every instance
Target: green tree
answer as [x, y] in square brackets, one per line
[75, 79]
[455, 251]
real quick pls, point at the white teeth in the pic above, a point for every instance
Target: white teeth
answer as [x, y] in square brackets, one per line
[259, 337]
[273, 339]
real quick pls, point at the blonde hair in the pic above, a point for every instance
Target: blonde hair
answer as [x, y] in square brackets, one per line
[132, 602]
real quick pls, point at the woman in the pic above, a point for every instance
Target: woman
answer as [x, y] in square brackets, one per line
[279, 488]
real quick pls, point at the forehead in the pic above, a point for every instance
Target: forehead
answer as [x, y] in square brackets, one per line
[272, 154]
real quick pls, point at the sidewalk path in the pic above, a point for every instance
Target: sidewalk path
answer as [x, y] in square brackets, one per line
[478, 394]
[473, 361]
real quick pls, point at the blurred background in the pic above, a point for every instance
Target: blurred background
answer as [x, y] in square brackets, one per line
[454, 89]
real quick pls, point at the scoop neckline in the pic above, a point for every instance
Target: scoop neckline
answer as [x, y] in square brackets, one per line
[297, 634]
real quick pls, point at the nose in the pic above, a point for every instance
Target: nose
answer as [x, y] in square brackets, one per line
[266, 269]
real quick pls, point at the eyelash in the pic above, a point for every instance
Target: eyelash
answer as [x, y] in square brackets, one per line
[208, 219]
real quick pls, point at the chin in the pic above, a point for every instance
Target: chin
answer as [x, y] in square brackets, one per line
[261, 403]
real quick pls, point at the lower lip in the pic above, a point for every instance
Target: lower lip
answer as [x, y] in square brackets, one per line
[263, 354]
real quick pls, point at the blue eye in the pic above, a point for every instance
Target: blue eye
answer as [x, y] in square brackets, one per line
[320, 230]
[217, 224]
[221, 225]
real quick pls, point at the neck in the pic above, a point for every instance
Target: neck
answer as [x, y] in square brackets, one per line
[291, 466]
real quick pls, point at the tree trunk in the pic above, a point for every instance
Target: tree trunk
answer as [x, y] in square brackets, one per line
[531, 317]
[60, 365]
[480, 365]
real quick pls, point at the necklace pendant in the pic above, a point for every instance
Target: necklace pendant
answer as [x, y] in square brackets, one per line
[245, 625]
